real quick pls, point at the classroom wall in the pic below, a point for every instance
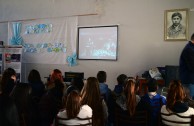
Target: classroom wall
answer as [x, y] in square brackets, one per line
[141, 32]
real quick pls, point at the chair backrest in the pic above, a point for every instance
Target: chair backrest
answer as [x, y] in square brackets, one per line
[139, 119]
[59, 121]
[165, 120]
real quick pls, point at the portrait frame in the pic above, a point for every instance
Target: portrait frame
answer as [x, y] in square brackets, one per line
[173, 30]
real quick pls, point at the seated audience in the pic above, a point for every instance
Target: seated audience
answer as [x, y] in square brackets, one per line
[175, 103]
[8, 80]
[128, 95]
[188, 99]
[8, 111]
[74, 113]
[155, 101]
[51, 101]
[76, 84]
[21, 95]
[128, 103]
[104, 90]
[120, 86]
[36, 84]
[91, 96]
[37, 90]
[56, 75]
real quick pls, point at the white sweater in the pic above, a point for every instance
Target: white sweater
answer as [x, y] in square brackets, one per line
[189, 112]
[85, 112]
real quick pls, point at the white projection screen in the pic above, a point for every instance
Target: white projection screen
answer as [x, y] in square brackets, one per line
[98, 43]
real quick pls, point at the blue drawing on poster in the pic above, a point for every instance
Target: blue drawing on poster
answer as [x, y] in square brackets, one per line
[38, 28]
[16, 38]
[47, 47]
[72, 60]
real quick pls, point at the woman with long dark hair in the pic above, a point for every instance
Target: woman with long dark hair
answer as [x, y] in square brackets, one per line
[91, 96]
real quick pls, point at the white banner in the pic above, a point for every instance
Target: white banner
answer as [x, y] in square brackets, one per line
[47, 41]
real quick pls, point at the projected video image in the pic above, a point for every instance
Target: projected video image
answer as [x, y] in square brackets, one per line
[98, 43]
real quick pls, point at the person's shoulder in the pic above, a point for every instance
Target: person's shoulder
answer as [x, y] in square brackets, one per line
[86, 107]
[104, 85]
[145, 96]
[191, 110]
[163, 109]
[85, 111]
[62, 113]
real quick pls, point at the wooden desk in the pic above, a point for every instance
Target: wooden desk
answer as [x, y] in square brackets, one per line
[143, 85]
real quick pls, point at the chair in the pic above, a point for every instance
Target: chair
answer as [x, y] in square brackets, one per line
[58, 121]
[139, 119]
[188, 120]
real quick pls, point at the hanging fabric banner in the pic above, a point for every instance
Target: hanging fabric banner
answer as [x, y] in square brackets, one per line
[48, 41]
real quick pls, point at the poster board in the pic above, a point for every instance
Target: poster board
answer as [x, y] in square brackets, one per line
[47, 41]
[13, 59]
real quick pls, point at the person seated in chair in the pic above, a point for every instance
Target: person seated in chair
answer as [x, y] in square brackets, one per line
[8, 110]
[176, 104]
[129, 103]
[155, 101]
[120, 86]
[74, 110]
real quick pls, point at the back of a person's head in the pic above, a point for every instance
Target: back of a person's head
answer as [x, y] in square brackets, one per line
[131, 96]
[7, 79]
[91, 96]
[91, 92]
[192, 37]
[121, 79]
[56, 75]
[175, 93]
[101, 75]
[73, 104]
[152, 85]
[34, 76]
[78, 83]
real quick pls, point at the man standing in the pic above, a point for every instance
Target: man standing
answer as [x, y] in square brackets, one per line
[176, 29]
[186, 66]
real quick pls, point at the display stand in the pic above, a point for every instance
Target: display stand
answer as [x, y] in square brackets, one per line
[12, 57]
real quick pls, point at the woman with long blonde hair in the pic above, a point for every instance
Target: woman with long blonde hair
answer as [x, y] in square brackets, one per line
[91, 96]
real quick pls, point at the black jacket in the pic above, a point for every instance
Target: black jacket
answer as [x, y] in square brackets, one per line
[186, 68]
[8, 112]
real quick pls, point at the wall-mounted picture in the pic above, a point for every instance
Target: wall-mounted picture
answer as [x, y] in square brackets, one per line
[176, 25]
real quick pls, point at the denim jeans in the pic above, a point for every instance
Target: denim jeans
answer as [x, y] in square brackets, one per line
[191, 89]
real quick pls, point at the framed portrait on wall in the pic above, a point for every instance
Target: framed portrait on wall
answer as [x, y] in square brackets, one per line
[176, 25]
